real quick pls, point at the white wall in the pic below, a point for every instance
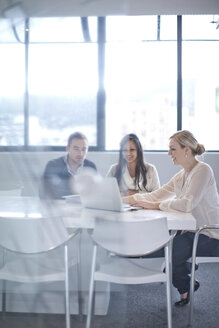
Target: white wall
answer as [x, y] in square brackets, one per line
[25, 168]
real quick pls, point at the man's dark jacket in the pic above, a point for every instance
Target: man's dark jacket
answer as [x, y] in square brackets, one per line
[56, 180]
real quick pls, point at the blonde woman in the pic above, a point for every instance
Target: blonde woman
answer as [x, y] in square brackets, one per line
[194, 190]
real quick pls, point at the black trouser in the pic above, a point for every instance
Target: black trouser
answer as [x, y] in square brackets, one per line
[182, 251]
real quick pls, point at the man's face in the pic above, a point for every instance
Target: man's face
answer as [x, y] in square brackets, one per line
[77, 151]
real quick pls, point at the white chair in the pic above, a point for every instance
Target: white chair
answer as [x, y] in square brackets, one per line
[198, 260]
[31, 252]
[128, 239]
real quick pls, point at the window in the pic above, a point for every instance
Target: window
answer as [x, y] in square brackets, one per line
[12, 85]
[107, 77]
[62, 92]
[62, 82]
[200, 53]
[141, 82]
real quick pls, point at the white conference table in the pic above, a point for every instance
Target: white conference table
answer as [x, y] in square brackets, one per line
[74, 216]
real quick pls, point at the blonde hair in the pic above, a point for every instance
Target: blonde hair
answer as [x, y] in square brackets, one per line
[186, 139]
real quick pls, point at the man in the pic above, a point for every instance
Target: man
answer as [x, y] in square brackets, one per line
[57, 180]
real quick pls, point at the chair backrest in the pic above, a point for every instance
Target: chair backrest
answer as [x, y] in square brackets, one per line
[32, 235]
[132, 238]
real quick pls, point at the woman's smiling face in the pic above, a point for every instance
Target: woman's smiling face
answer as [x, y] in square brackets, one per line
[129, 152]
[176, 152]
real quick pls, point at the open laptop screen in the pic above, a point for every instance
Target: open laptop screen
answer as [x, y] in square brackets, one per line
[105, 196]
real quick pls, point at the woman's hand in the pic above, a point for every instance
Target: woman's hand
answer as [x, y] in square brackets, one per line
[141, 203]
[128, 199]
[145, 204]
[130, 192]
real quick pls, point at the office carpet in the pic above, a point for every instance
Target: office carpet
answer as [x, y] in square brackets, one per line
[142, 306]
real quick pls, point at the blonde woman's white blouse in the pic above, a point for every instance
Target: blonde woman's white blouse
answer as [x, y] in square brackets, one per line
[197, 193]
[128, 183]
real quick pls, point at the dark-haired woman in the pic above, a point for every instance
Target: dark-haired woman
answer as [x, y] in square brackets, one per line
[132, 173]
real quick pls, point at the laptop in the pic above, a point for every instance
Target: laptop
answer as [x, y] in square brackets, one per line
[106, 196]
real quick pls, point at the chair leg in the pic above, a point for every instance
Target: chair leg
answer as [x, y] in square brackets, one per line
[80, 312]
[3, 286]
[191, 296]
[192, 280]
[173, 233]
[67, 307]
[91, 288]
[168, 286]
[3, 298]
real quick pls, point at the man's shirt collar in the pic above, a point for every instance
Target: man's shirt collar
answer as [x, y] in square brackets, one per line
[79, 168]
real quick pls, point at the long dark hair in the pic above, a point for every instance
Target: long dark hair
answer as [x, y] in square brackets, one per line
[140, 169]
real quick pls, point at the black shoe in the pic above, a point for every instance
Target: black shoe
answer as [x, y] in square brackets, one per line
[189, 266]
[185, 301]
[182, 302]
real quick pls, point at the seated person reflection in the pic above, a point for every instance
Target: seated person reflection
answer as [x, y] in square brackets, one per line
[133, 174]
[193, 189]
[57, 180]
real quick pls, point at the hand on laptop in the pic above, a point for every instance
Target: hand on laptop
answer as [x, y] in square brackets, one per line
[146, 204]
[141, 203]
[128, 199]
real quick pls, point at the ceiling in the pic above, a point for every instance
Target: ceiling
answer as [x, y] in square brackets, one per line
[59, 8]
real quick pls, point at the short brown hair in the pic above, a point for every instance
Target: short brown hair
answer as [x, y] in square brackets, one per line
[76, 135]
